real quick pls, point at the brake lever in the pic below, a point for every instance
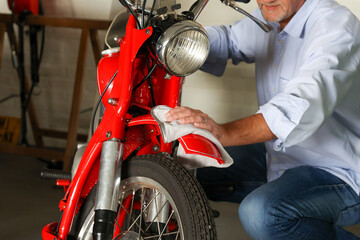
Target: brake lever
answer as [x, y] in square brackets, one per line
[261, 24]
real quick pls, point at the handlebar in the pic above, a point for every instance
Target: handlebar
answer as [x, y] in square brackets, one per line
[200, 4]
[232, 4]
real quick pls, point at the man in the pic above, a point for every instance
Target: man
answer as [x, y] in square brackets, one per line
[307, 76]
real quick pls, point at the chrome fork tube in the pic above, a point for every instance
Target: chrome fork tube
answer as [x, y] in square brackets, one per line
[107, 194]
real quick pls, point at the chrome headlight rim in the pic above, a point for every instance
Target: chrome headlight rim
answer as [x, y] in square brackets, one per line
[169, 35]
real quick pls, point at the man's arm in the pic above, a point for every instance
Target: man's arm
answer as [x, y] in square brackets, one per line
[252, 129]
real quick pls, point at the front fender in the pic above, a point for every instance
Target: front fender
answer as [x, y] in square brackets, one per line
[195, 150]
[196, 144]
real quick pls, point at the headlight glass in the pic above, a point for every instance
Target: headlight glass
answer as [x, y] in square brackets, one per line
[184, 48]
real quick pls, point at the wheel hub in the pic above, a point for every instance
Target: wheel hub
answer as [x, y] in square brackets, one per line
[130, 235]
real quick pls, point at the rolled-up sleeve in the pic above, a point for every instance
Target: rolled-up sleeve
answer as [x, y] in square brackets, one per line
[328, 69]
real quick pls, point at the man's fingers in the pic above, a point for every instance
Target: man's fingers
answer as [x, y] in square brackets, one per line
[191, 119]
[184, 115]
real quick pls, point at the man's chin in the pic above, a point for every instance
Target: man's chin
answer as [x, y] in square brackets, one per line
[272, 18]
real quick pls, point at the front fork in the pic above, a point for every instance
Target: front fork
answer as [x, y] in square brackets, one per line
[108, 188]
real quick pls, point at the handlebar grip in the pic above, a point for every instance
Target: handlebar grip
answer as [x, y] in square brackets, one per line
[243, 1]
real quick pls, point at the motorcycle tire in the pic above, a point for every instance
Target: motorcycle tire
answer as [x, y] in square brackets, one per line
[162, 175]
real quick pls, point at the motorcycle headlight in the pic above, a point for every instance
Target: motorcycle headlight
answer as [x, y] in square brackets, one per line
[183, 48]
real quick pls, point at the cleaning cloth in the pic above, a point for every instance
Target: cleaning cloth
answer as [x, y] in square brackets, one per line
[173, 130]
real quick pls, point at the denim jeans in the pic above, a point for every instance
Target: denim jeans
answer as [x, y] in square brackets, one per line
[305, 203]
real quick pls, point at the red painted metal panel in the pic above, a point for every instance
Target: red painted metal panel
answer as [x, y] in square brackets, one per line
[196, 144]
[23, 5]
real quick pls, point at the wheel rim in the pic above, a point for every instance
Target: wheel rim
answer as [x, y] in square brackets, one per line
[133, 192]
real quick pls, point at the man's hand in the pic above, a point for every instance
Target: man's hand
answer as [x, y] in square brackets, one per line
[185, 115]
[252, 129]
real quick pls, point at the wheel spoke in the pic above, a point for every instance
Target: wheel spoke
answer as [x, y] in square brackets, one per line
[163, 235]
[167, 222]
[126, 211]
[144, 185]
[120, 201]
[141, 207]
[152, 221]
[131, 207]
[177, 235]
[140, 214]
[157, 222]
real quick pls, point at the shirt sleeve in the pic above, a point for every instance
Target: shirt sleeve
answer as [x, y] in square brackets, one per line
[330, 65]
[236, 42]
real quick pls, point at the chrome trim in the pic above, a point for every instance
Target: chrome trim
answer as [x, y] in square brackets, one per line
[171, 33]
[86, 230]
[109, 176]
[110, 51]
[117, 179]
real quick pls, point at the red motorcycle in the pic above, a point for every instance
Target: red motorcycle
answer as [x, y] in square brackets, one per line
[126, 182]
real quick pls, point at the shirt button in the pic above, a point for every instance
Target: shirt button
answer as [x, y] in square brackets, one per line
[273, 90]
[279, 41]
[275, 66]
[274, 158]
[281, 172]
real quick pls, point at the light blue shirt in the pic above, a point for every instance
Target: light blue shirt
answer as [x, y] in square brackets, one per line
[308, 85]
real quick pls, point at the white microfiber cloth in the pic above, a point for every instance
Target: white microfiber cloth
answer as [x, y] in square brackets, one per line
[173, 130]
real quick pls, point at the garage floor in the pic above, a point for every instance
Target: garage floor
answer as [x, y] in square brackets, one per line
[29, 202]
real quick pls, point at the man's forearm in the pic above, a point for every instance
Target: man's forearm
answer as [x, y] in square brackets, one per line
[252, 129]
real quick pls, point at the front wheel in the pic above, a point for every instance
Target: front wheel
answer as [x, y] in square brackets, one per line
[159, 199]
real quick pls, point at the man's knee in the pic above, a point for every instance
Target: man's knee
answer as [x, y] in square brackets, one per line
[255, 215]
[264, 215]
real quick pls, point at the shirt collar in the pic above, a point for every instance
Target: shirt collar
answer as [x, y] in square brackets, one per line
[297, 24]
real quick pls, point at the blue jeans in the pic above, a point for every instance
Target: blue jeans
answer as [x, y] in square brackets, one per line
[305, 203]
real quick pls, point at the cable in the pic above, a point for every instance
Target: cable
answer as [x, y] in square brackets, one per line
[143, 14]
[147, 76]
[150, 80]
[151, 11]
[99, 101]
[41, 12]
[9, 97]
[124, 3]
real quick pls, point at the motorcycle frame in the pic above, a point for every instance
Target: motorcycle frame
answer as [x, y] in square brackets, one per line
[112, 126]
[142, 131]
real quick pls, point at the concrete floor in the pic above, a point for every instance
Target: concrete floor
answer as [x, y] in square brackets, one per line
[29, 202]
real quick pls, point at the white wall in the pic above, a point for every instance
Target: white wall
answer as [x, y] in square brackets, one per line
[226, 98]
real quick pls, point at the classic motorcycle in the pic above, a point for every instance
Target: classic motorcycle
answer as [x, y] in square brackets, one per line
[126, 182]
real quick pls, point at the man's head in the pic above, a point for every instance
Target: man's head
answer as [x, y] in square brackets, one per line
[280, 11]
